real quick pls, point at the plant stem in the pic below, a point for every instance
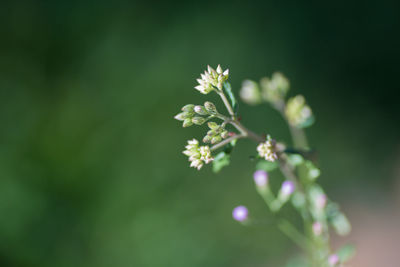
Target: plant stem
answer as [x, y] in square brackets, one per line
[227, 104]
[289, 230]
[226, 141]
[298, 137]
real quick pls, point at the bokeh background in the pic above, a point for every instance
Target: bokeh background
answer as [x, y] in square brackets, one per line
[91, 170]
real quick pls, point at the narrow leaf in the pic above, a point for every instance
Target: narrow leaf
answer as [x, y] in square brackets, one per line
[231, 96]
[221, 160]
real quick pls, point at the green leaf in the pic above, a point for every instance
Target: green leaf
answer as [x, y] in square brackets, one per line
[231, 96]
[267, 166]
[221, 160]
[346, 252]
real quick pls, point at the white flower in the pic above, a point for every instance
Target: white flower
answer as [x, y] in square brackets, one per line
[198, 155]
[212, 79]
[267, 150]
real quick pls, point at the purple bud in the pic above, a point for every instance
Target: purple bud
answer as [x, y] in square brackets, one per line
[260, 178]
[321, 201]
[240, 213]
[317, 228]
[333, 260]
[287, 188]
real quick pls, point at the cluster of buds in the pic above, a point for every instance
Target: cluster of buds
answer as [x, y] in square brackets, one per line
[298, 113]
[250, 92]
[216, 133]
[191, 114]
[271, 90]
[212, 79]
[267, 150]
[198, 155]
[274, 89]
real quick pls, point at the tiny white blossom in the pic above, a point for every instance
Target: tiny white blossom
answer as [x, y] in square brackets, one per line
[212, 79]
[198, 155]
[267, 150]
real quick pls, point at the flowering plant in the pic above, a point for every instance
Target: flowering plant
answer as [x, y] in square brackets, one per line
[300, 188]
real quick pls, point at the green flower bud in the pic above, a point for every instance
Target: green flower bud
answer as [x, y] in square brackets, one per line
[187, 122]
[250, 93]
[182, 116]
[188, 108]
[198, 120]
[224, 134]
[216, 139]
[298, 113]
[200, 110]
[207, 139]
[276, 88]
[213, 125]
[210, 107]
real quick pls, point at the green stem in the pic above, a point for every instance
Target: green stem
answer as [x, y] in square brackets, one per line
[227, 104]
[289, 230]
[226, 141]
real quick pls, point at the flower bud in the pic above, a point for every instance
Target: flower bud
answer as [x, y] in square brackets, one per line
[210, 107]
[187, 122]
[274, 89]
[207, 139]
[182, 116]
[212, 125]
[188, 108]
[260, 178]
[200, 110]
[320, 201]
[250, 93]
[216, 139]
[287, 188]
[198, 120]
[240, 213]
[298, 113]
[317, 228]
[224, 134]
[333, 260]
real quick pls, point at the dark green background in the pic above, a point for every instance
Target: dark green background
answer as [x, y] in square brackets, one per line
[91, 170]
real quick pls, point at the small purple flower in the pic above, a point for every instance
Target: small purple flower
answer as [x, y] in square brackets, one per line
[240, 213]
[317, 228]
[333, 260]
[260, 178]
[287, 188]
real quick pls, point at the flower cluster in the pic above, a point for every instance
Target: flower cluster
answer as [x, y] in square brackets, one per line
[276, 88]
[298, 113]
[191, 114]
[212, 79]
[267, 150]
[299, 187]
[216, 133]
[198, 155]
[250, 92]
[271, 90]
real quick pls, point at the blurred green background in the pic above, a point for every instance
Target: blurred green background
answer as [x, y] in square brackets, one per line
[91, 170]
